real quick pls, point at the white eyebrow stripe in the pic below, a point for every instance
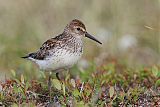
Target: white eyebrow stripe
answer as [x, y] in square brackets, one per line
[83, 29]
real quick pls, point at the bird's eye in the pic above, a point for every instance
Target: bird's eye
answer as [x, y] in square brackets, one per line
[78, 28]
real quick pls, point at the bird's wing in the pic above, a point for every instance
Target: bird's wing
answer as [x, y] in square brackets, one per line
[47, 47]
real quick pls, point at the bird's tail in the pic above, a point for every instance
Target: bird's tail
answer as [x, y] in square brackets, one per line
[31, 55]
[25, 57]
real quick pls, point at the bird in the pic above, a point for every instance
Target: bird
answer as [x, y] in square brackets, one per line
[62, 51]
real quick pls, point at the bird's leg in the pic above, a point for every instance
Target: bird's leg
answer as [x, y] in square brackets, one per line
[68, 71]
[57, 75]
[67, 75]
[49, 85]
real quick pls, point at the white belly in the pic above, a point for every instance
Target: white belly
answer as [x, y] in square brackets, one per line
[60, 59]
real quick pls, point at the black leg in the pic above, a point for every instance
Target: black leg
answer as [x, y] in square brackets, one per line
[57, 75]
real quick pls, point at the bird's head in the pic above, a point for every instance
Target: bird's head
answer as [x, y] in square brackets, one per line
[78, 29]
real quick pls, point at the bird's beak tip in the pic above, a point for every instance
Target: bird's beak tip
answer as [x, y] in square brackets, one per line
[92, 38]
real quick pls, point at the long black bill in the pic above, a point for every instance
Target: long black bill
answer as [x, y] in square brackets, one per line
[91, 37]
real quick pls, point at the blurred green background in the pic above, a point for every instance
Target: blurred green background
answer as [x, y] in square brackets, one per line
[129, 30]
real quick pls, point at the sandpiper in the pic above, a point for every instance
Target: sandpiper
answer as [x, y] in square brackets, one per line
[62, 51]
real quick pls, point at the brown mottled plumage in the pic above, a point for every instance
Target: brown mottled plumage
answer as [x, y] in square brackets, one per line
[64, 50]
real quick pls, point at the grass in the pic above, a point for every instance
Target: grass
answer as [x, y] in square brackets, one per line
[110, 84]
